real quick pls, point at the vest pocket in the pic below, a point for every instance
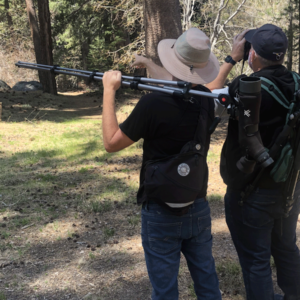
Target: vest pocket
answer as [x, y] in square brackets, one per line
[175, 182]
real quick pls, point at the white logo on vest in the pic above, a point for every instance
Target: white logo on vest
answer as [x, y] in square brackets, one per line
[247, 113]
[183, 169]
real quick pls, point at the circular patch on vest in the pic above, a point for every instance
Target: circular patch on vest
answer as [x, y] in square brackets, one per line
[183, 169]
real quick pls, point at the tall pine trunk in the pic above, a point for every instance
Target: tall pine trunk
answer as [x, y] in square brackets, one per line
[8, 16]
[31, 13]
[290, 37]
[46, 43]
[299, 36]
[162, 20]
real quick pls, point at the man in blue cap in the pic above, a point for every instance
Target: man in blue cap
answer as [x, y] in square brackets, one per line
[260, 228]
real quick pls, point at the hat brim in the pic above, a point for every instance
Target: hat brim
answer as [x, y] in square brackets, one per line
[183, 72]
[248, 36]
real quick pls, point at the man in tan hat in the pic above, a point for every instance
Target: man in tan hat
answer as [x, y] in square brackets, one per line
[167, 123]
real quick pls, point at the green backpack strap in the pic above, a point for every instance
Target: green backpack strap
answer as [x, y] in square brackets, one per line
[296, 79]
[275, 92]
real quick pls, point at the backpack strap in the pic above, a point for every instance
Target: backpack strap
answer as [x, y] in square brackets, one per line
[296, 78]
[275, 92]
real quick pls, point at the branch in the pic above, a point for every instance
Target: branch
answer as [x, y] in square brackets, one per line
[75, 11]
[238, 10]
[9, 205]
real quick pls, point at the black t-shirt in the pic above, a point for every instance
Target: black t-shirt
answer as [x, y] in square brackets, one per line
[166, 124]
[269, 109]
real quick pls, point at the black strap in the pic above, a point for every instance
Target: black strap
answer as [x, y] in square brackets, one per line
[211, 109]
[53, 68]
[135, 83]
[91, 77]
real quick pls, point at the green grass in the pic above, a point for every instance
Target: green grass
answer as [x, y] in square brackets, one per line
[230, 275]
[5, 234]
[230, 268]
[272, 262]
[213, 157]
[20, 222]
[135, 220]
[215, 198]
[108, 232]
[49, 153]
[100, 207]
[47, 177]
[192, 291]
[2, 296]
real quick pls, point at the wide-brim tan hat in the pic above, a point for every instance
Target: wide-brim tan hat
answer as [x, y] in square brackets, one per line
[189, 58]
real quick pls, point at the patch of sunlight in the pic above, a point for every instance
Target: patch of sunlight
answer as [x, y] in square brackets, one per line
[219, 226]
[213, 157]
[51, 231]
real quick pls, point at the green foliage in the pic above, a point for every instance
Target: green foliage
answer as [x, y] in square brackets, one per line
[90, 34]
[101, 207]
[2, 296]
[215, 198]
[135, 220]
[108, 232]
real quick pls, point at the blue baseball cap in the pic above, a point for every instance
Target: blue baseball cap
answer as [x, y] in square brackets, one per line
[268, 41]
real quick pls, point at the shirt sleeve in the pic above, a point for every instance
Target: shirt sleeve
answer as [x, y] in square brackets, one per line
[135, 126]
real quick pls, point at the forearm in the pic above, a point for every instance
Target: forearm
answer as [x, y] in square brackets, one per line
[219, 82]
[109, 119]
[237, 53]
[158, 72]
[155, 71]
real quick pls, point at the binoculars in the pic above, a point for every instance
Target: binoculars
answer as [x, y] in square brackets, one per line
[249, 96]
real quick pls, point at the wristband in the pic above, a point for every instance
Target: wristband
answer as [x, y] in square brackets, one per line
[229, 60]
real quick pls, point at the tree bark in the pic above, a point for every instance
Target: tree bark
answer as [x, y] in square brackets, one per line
[299, 38]
[46, 44]
[8, 16]
[290, 38]
[35, 37]
[161, 21]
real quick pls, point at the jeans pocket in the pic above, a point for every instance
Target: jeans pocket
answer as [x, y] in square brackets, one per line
[204, 228]
[163, 237]
[256, 217]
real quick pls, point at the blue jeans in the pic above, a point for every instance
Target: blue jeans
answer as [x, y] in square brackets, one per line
[165, 235]
[259, 230]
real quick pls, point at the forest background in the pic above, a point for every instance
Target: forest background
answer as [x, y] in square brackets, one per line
[91, 34]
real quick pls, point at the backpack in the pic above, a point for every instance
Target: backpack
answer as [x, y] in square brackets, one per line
[175, 182]
[285, 159]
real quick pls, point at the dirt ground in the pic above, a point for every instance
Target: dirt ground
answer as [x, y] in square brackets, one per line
[96, 255]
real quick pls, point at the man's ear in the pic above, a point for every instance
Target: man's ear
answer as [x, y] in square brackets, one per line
[254, 55]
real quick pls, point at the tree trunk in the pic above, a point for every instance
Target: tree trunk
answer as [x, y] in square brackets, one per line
[290, 38]
[85, 49]
[299, 37]
[8, 16]
[35, 37]
[46, 44]
[161, 21]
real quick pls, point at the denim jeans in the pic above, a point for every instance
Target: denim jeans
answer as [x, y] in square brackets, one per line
[259, 230]
[165, 235]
